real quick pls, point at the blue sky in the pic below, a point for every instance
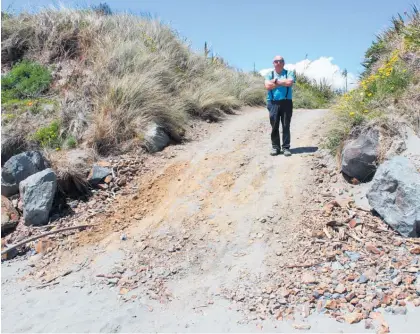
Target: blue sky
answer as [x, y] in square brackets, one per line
[244, 32]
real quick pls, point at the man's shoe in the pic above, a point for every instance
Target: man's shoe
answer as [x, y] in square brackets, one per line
[287, 152]
[274, 151]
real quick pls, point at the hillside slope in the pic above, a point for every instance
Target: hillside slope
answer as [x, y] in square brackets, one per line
[103, 80]
[389, 91]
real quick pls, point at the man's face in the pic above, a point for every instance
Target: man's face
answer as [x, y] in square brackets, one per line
[278, 63]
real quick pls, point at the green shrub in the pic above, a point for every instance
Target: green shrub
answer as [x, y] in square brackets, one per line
[412, 37]
[373, 54]
[334, 139]
[25, 80]
[311, 94]
[71, 142]
[389, 79]
[49, 136]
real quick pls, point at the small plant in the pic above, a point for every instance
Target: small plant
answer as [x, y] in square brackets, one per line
[334, 139]
[7, 117]
[49, 136]
[71, 142]
[25, 80]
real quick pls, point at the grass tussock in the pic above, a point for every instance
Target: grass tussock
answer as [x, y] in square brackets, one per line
[71, 168]
[389, 87]
[113, 75]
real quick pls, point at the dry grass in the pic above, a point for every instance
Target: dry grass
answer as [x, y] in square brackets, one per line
[71, 168]
[115, 74]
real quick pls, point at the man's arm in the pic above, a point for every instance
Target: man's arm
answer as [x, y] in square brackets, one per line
[289, 81]
[269, 84]
[285, 82]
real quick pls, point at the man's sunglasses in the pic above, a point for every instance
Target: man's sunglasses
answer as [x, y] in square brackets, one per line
[278, 61]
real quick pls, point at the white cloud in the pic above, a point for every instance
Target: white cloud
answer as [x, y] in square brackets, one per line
[320, 69]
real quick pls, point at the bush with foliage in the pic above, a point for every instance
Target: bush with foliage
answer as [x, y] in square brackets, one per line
[25, 80]
[49, 136]
[389, 86]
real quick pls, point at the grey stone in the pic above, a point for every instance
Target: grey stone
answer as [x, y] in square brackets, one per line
[18, 168]
[359, 155]
[400, 310]
[97, 174]
[336, 266]
[394, 272]
[397, 280]
[113, 281]
[395, 195]
[282, 301]
[156, 139]
[73, 204]
[353, 256]
[37, 192]
[363, 279]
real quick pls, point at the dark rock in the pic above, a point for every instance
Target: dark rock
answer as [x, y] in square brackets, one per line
[18, 168]
[395, 194]
[97, 174]
[9, 215]
[156, 139]
[359, 156]
[37, 192]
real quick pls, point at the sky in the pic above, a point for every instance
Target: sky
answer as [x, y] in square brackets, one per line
[319, 37]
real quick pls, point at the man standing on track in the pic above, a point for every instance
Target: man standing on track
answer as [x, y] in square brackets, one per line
[279, 84]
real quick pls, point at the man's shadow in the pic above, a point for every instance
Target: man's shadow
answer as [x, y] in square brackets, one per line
[301, 150]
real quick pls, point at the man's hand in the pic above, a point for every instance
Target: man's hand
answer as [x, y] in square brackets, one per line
[270, 85]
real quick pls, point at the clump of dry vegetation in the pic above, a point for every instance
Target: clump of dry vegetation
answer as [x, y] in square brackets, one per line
[104, 78]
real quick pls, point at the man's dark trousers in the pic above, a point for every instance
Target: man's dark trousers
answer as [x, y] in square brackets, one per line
[281, 110]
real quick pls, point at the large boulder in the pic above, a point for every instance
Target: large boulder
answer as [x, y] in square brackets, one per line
[359, 155]
[37, 193]
[155, 138]
[395, 195]
[18, 168]
[9, 215]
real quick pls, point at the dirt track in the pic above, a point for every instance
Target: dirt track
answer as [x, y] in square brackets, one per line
[193, 232]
